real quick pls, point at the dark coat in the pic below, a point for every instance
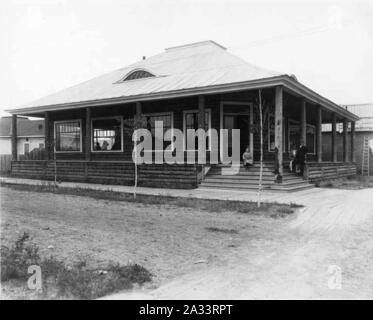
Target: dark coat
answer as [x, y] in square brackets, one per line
[301, 154]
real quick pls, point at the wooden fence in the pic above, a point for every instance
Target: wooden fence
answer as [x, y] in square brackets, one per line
[5, 163]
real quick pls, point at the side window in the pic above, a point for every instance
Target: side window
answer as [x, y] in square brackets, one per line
[68, 136]
[107, 134]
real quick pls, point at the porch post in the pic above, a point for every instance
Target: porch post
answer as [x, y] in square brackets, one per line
[138, 108]
[319, 134]
[303, 122]
[47, 133]
[278, 125]
[14, 137]
[334, 137]
[201, 112]
[345, 154]
[88, 134]
[251, 125]
[353, 159]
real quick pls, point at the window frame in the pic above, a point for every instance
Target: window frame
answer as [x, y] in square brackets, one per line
[185, 112]
[284, 133]
[156, 114]
[80, 136]
[121, 134]
[307, 125]
[314, 139]
[292, 121]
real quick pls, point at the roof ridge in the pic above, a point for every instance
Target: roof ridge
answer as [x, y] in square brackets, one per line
[195, 44]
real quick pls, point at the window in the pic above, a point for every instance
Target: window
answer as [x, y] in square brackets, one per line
[68, 136]
[293, 135]
[107, 134]
[311, 138]
[191, 122]
[167, 119]
[271, 132]
[138, 74]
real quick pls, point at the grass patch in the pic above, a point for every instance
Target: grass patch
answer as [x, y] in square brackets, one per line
[222, 230]
[61, 281]
[210, 205]
[282, 213]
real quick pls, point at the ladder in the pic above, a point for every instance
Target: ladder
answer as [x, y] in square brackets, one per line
[365, 159]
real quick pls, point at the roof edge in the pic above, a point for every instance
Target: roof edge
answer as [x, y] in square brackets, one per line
[284, 80]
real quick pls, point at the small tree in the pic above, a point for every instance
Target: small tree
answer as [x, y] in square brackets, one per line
[130, 127]
[261, 121]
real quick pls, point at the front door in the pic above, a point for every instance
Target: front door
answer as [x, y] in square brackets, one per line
[241, 122]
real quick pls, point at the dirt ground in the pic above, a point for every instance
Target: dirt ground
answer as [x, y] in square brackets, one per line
[292, 257]
[167, 240]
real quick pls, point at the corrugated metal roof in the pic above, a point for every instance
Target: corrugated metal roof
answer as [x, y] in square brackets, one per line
[25, 127]
[191, 66]
[365, 112]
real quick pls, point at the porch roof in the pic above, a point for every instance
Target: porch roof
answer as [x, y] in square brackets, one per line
[199, 68]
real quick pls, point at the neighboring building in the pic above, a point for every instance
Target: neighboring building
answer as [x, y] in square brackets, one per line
[199, 85]
[30, 135]
[363, 128]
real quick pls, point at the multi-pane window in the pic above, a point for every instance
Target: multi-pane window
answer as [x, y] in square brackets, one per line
[166, 118]
[68, 136]
[310, 138]
[107, 134]
[191, 122]
[271, 132]
[293, 135]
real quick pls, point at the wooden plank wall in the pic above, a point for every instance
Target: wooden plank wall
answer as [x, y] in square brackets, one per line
[5, 163]
[110, 172]
[329, 170]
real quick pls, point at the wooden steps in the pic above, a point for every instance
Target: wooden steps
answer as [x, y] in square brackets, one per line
[248, 179]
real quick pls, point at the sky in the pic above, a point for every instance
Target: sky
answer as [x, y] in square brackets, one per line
[48, 45]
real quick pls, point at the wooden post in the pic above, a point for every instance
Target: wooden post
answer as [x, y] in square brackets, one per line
[14, 137]
[201, 112]
[353, 159]
[319, 133]
[334, 137]
[88, 134]
[303, 123]
[279, 125]
[251, 126]
[47, 133]
[138, 108]
[345, 154]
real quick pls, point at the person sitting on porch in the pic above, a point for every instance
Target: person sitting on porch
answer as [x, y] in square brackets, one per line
[247, 158]
[293, 153]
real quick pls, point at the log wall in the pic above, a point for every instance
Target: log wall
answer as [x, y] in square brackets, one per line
[110, 172]
[329, 170]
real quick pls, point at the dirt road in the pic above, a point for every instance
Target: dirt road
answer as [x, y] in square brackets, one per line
[302, 261]
[266, 258]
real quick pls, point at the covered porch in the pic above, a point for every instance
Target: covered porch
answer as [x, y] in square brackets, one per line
[74, 136]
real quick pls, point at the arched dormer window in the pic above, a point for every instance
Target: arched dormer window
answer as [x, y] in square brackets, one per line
[138, 74]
